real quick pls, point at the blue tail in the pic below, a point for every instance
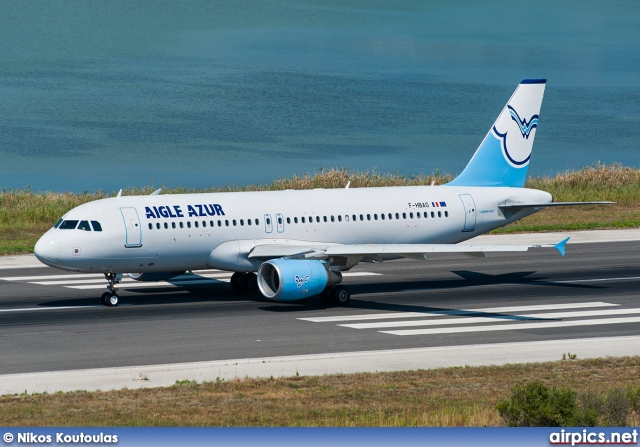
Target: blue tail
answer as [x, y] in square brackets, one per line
[502, 159]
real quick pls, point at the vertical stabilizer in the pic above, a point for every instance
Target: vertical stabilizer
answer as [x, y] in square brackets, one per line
[502, 159]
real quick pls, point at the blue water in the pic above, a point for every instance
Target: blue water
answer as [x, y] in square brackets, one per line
[115, 94]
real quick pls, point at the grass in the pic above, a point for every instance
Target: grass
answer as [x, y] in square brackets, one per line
[441, 397]
[26, 215]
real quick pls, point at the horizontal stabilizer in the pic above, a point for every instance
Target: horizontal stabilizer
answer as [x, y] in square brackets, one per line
[521, 206]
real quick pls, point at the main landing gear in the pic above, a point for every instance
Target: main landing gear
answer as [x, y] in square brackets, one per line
[244, 282]
[110, 298]
[336, 295]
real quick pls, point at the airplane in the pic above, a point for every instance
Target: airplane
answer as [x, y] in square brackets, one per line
[291, 245]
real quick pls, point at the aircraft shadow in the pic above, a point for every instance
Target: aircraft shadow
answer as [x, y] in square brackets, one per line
[220, 292]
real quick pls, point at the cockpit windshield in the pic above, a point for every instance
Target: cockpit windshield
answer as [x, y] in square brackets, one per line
[74, 225]
[68, 225]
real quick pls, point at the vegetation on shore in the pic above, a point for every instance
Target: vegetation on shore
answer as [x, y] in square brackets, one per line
[469, 396]
[26, 215]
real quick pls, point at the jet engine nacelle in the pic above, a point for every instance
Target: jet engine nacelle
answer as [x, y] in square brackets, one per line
[294, 279]
[154, 276]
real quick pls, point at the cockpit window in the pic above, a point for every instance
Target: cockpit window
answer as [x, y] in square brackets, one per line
[58, 223]
[96, 226]
[84, 225]
[68, 225]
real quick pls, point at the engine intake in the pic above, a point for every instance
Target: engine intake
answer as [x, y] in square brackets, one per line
[294, 279]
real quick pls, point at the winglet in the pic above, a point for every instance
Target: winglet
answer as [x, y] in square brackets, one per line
[560, 246]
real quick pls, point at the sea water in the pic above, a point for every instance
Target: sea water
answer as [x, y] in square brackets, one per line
[104, 95]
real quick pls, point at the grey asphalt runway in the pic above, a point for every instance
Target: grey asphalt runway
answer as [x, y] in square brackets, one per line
[53, 321]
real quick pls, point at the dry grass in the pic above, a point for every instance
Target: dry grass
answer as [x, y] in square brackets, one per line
[25, 215]
[441, 397]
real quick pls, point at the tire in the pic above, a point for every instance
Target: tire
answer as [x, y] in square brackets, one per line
[103, 298]
[250, 281]
[236, 282]
[340, 296]
[112, 300]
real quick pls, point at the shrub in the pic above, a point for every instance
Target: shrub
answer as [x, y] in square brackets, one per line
[535, 405]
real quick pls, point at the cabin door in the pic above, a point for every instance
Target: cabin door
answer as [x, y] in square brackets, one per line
[131, 220]
[469, 212]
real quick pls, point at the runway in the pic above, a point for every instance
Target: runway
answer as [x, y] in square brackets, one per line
[451, 310]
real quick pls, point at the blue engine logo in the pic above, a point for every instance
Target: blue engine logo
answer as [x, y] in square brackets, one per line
[300, 281]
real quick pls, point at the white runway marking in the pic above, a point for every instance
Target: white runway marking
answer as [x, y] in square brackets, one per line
[496, 319]
[499, 319]
[516, 327]
[89, 281]
[457, 312]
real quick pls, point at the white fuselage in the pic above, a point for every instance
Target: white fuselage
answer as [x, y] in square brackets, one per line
[163, 233]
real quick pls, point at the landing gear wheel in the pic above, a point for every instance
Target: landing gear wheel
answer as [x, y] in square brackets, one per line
[236, 281]
[340, 295]
[103, 298]
[111, 300]
[251, 282]
[325, 296]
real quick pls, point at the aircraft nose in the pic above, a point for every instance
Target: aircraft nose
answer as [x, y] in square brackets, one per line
[47, 250]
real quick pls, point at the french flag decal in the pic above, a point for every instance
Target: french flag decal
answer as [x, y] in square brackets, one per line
[438, 204]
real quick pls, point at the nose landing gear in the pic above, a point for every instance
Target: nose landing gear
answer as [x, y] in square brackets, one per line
[110, 298]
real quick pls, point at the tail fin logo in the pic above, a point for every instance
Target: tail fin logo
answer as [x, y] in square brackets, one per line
[517, 151]
[525, 127]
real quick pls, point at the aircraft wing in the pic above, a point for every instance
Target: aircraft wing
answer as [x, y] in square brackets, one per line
[376, 251]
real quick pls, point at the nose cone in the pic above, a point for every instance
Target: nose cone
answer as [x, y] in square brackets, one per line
[47, 250]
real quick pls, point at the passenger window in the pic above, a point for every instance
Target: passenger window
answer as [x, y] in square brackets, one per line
[279, 221]
[166, 226]
[226, 223]
[375, 216]
[397, 216]
[439, 213]
[188, 224]
[96, 225]
[257, 223]
[211, 224]
[302, 219]
[150, 226]
[354, 217]
[249, 222]
[324, 218]
[219, 223]
[433, 214]
[404, 215]
[68, 225]
[410, 215]
[361, 217]
[446, 214]
[390, 216]
[242, 222]
[318, 219]
[368, 216]
[173, 225]
[426, 214]
[288, 220]
[382, 216]
[418, 215]
[204, 224]
[339, 218]
[333, 219]
[181, 225]
[234, 222]
[158, 225]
